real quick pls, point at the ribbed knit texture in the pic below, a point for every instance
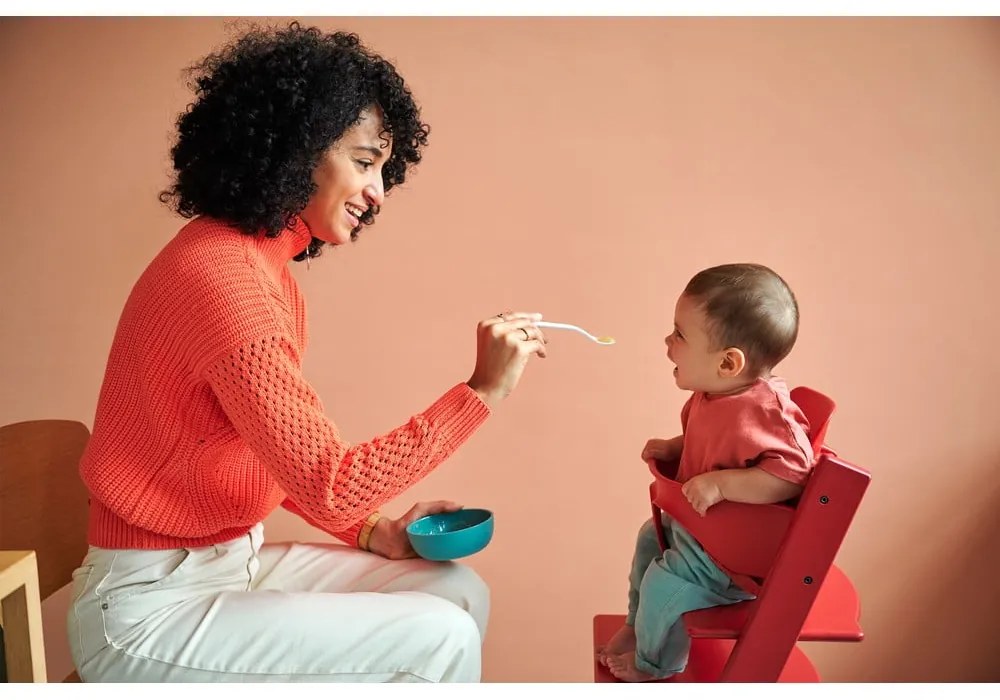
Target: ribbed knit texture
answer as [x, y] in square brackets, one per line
[205, 423]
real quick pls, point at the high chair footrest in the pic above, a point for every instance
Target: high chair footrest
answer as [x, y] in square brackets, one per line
[706, 661]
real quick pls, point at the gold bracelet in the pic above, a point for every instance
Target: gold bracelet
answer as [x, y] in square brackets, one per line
[366, 531]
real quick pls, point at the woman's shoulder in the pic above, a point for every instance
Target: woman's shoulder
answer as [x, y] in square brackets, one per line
[209, 286]
[206, 255]
[209, 268]
[204, 242]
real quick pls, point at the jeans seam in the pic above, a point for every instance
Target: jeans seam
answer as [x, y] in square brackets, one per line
[173, 664]
[76, 610]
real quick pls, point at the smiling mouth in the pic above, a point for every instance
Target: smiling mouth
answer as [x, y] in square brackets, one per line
[355, 211]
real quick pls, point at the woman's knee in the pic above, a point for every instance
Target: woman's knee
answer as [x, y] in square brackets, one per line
[453, 637]
[466, 589]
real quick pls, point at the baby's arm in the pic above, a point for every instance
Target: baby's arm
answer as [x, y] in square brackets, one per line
[754, 485]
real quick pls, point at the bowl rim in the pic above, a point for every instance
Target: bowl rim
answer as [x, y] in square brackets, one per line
[488, 518]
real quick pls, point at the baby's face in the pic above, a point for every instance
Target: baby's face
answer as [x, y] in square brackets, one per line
[690, 349]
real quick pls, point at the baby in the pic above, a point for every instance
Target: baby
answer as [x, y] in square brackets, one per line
[742, 440]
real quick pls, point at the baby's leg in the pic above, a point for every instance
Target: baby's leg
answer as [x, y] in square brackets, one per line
[682, 580]
[647, 548]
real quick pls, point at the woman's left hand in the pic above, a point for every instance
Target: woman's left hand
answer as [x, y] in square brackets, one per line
[388, 538]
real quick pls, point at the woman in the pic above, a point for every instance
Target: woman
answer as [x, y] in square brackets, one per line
[205, 424]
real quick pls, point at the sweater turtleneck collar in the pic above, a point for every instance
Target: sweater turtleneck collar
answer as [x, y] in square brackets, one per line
[287, 244]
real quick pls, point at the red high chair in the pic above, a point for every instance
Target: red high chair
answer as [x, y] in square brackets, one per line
[784, 554]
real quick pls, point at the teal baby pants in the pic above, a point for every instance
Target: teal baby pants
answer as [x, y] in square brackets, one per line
[665, 585]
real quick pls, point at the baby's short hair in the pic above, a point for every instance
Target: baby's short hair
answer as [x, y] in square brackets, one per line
[749, 307]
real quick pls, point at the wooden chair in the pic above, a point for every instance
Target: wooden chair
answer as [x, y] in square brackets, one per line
[785, 552]
[43, 532]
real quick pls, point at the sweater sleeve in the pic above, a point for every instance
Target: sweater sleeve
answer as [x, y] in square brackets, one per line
[348, 536]
[335, 484]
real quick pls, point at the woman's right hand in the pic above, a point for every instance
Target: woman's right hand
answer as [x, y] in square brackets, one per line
[505, 342]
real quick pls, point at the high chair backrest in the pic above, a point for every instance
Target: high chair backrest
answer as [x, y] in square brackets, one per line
[817, 409]
[804, 558]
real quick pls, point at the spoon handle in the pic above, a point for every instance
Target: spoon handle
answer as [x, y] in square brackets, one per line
[566, 326]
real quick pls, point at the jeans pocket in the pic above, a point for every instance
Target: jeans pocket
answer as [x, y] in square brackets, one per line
[142, 572]
[136, 588]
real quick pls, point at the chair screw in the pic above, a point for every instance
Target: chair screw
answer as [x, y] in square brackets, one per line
[824, 499]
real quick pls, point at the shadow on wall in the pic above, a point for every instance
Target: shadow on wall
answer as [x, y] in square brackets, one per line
[953, 615]
[944, 603]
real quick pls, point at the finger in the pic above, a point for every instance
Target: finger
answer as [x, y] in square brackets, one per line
[523, 316]
[533, 346]
[514, 319]
[443, 506]
[431, 507]
[514, 329]
[496, 318]
[512, 316]
[529, 331]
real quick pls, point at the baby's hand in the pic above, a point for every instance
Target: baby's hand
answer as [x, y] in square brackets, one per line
[657, 449]
[702, 491]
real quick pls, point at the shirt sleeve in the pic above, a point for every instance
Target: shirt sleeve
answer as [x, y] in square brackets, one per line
[777, 443]
[335, 484]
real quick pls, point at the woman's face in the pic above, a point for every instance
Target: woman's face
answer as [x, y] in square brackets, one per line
[349, 180]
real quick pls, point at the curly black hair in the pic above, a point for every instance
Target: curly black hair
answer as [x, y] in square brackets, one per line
[268, 106]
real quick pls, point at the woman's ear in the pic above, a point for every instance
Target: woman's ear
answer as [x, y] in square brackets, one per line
[733, 363]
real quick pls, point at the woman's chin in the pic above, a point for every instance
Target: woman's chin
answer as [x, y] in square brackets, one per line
[334, 238]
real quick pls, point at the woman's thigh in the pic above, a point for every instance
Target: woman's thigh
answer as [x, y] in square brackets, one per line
[224, 613]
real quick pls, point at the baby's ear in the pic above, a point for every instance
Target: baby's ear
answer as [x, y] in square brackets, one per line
[733, 363]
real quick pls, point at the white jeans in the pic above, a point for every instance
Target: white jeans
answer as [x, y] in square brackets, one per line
[239, 611]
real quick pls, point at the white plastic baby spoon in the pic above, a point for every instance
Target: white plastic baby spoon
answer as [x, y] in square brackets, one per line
[600, 340]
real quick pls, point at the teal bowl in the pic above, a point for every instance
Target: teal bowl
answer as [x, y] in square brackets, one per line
[446, 536]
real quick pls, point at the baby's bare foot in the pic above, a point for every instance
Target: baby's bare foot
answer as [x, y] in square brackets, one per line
[622, 641]
[623, 668]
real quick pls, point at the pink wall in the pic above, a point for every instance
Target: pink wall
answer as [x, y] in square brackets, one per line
[587, 168]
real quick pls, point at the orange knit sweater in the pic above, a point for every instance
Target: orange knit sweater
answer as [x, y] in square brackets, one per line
[205, 424]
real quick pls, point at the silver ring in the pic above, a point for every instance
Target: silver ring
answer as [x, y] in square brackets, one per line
[526, 336]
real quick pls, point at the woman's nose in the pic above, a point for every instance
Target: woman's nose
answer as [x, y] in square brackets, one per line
[375, 194]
